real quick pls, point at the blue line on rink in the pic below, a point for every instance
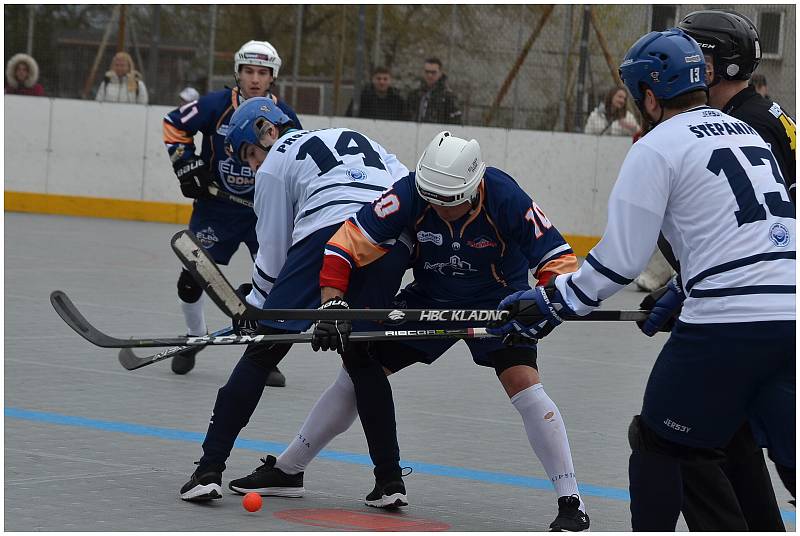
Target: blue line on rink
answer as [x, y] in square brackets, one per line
[344, 457]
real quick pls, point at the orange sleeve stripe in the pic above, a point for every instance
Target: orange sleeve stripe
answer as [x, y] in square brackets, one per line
[350, 239]
[175, 135]
[564, 264]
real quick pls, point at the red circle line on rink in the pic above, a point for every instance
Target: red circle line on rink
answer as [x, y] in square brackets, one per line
[333, 518]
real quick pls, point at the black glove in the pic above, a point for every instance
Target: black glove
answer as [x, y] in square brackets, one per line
[240, 325]
[194, 177]
[332, 334]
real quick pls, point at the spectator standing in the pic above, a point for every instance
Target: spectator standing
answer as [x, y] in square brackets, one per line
[759, 83]
[22, 74]
[434, 101]
[122, 83]
[188, 94]
[380, 100]
[612, 117]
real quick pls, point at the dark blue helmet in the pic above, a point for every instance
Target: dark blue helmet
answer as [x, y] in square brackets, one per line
[248, 124]
[670, 63]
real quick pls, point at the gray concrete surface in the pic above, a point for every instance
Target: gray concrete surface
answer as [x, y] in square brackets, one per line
[90, 446]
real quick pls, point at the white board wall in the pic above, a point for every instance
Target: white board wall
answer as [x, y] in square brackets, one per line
[85, 148]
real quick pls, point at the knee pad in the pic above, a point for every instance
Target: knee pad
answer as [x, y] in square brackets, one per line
[510, 357]
[188, 289]
[643, 439]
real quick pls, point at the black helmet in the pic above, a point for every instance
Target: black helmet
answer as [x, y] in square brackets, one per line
[729, 37]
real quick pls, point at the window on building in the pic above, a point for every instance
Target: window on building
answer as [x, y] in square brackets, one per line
[770, 33]
[663, 16]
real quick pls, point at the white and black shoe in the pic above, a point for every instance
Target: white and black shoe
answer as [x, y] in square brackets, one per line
[205, 484]
[390, 494]
[183, 362]
[570, 517]
[269, 481]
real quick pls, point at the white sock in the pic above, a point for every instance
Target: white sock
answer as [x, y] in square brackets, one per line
[548, 437]
[194, 316]
[333, 414]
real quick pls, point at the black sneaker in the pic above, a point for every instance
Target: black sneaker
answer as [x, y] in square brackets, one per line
[205, 484]
[269, 481]
[570, 518]
[390, 494]
[184, 361]
[276, 378]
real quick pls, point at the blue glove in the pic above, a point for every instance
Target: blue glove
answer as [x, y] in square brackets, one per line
[534, 313]
[665, 305]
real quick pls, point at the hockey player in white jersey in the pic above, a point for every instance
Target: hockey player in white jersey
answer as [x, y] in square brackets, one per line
[712, 186]
[307, 183]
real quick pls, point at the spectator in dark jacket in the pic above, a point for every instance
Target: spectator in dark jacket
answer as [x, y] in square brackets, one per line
[22, 73]
[380, 100]
[433, 101]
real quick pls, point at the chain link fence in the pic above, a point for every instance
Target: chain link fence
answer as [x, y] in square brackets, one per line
[540, 67]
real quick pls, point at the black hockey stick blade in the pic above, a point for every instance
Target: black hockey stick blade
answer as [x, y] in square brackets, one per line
[130, 361]
[208, 275]
[74, 319]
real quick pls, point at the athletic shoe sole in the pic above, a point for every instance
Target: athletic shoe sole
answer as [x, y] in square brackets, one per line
[209, 492]
[292, 493]
[395, 500]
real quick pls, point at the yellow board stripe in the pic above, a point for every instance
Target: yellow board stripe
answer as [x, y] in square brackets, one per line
[122, 209]
[96, 207]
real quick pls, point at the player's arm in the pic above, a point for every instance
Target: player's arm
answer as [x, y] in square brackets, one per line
[361, 239]
[635, 213]
[274, 229]
[548, 253]
[180, 126]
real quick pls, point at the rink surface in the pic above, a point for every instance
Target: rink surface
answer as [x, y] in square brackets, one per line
[90, 446]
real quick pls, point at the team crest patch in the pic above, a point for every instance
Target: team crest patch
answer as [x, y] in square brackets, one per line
[481, 242]
[357, 174]
[207, 237]
[779, 235]
[425, 236]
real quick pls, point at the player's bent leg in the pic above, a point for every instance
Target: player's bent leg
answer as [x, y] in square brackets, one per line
[376, 410]
[516, 369]
[190, 297]
[332, 414]
[235, 404]
[745, 468]
[656, 485]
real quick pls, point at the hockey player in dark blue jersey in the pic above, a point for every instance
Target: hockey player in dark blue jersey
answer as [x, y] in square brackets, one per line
[478, 236]
[220, 225]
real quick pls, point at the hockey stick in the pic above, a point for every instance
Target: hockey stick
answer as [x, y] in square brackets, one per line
[74, 319]
[131, 361]
[216, 192]
[206, 273]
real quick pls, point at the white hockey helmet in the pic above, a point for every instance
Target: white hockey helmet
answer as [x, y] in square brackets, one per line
[450, 170]
[260, 53]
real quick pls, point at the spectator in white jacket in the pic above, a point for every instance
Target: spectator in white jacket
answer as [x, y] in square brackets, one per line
[612, 117]
[122, 83]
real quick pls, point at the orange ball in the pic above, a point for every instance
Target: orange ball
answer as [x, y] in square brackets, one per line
[252, 502]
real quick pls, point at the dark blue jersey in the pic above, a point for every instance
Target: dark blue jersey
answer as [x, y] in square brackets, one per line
[487, 252]
[210, 116]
